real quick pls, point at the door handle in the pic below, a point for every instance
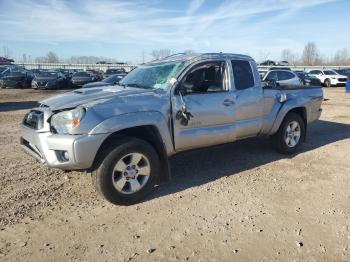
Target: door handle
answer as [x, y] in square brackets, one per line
[228, 102]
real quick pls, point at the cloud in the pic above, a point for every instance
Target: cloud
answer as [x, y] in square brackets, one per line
[194, 6]
[225, 25]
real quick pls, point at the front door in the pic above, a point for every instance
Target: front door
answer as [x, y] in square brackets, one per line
[203, 113]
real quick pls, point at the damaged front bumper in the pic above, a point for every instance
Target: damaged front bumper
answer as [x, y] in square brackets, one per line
[66, 152]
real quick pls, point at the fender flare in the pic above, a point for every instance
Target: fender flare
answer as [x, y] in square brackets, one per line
[122, 124]
[287, 107]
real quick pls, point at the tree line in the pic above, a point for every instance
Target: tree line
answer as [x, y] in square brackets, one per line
[310, 56]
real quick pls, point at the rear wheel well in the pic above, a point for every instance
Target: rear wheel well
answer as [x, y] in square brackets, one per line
[147, 133]
[301, 111]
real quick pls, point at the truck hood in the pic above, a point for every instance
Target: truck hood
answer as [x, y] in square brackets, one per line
[92, 96]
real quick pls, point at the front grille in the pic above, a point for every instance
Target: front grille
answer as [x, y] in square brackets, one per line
[342, 79]
[34, 119]
[41, 84]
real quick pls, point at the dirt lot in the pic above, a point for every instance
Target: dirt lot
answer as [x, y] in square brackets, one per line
[241, 201]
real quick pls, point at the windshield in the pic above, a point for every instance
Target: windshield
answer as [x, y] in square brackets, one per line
[152, 76]
[302, 74]
[329, 72]
[343, 72]
[307, 74]
[15, 74]
[111, 79]
[46, 74]
[2, 69]
[115, 71]
[83, 74]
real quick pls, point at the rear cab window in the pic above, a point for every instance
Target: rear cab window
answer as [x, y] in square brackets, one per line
[242, 74]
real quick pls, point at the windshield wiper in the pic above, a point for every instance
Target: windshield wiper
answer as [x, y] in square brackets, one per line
[137, 86]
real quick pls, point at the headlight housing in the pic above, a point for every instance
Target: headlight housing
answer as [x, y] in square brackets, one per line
[64, 122]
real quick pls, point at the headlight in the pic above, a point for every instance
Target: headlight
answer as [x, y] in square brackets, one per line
[64, 122]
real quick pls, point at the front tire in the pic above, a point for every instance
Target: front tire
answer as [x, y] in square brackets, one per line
[127, 171]
[290, 134]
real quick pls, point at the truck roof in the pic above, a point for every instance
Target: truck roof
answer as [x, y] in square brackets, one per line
[183, 57]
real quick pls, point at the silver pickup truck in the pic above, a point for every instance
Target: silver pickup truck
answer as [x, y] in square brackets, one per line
[124, 134]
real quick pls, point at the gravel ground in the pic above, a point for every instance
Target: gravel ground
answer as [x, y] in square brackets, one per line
[241, 201]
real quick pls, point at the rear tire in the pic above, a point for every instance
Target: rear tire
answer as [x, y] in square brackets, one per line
[126, 171]
[290, 134]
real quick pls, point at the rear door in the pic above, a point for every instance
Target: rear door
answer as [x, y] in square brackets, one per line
[248, 93]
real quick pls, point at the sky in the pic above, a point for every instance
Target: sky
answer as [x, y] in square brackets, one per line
[125, 30]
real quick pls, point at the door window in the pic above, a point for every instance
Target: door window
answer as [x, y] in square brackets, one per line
[316, 72]
[283, 75]
[243, 74]
[206, 77]
[272, 76]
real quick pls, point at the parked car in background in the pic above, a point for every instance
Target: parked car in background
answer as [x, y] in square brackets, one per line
[36, 71]
[49, 80]
[81, 78]
[283, 63]
[68, 73]
[344, 72]
[114, 71]
[329, 77]
[111, 80]
[16, 77]
[282, 78]
[6, 60]
[268, 63]
[280, 68]
[98, 73]
[307, 79]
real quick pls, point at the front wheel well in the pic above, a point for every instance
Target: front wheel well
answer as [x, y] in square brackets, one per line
[147, 133]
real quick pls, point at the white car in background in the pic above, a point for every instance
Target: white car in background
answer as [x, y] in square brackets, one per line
[328, 77]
